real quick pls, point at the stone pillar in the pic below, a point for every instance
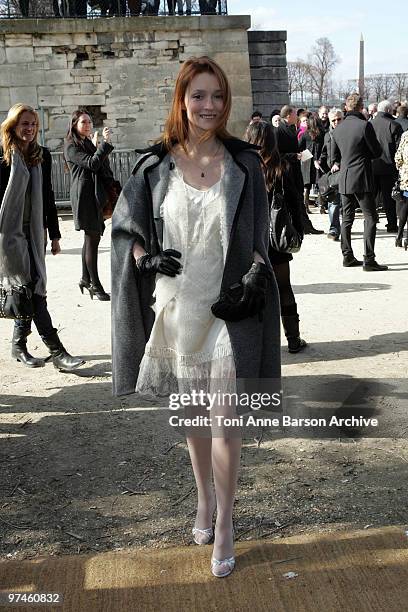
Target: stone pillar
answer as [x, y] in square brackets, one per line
[361, 88]
[269, 74]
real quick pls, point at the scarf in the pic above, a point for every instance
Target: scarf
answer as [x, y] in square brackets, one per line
[14, 248]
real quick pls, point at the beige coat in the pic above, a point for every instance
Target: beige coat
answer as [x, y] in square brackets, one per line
[401, 161]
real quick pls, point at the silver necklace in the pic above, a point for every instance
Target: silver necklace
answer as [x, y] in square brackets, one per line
[204, 170]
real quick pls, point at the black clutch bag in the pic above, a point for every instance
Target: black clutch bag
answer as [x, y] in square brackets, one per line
[16, 303]
[230, 306]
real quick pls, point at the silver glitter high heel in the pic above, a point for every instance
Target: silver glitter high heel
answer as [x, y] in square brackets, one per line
[217, 568]
[206, 535]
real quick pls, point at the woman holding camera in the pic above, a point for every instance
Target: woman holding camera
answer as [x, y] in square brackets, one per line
[90, 174]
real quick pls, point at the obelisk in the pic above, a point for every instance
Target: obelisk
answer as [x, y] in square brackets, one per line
[361, 69]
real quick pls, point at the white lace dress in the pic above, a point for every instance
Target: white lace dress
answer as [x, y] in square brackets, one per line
[189, 349]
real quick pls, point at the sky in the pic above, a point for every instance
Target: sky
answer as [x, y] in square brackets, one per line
[384, 31]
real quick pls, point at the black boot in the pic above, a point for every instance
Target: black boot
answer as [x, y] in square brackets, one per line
[60, 357]
[19, 348]
[290, 321]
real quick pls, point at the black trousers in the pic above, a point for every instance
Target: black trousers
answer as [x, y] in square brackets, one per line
[24, 7]
[383, 186]
[366, 202]
[402, 217]
[208, 7]
[41, 318]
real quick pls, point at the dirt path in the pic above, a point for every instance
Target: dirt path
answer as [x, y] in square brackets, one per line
[82, 471]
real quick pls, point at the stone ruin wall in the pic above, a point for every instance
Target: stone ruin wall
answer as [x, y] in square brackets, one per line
[123, 70]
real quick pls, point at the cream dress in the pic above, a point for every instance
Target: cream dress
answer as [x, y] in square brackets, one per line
[189, 349]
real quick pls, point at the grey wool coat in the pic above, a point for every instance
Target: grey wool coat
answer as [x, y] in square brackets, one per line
[255, 344]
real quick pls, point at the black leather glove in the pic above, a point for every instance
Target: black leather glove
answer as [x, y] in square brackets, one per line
[163, 263]
[255, 285]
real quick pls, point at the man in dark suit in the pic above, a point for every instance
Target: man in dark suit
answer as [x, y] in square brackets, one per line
[354, 146]
[388, 133]
[288, 148]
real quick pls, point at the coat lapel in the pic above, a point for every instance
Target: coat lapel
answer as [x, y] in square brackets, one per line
[234, 180]
[158, 179]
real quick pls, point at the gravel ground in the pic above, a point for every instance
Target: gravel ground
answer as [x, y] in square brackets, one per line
[83, 471]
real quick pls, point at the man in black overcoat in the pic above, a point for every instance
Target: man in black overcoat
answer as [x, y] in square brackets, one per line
[388, 132]
[355, 145]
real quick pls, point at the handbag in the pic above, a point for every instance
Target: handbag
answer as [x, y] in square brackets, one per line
[396, 193]
[229, 306]
[328, 184]
[283, 235]
[16, 303]
[112, 194]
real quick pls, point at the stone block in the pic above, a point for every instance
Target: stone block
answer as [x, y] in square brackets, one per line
[83, 79]
[57, 61]
[85, 38]
[22, 77]
[195, 50]
[240, 85]
[267, 60]
[87, 64]
[46, 90]
[69, 90]
[269, 85]
[58, 124]
[268, 73]
[44, 40]
[19, 55]
[40, 51]
[87, 88]
[161, 44]
[266, 35]
[2, 55]
[4, 99]
[26, 95]
[233, 63]
[58, 77]
[104, 38]
[147, 61]
[78, 72]
[49, 101]
[163, 35]
[270, 99]
[267, 48]
[18, 40]
[83, 100]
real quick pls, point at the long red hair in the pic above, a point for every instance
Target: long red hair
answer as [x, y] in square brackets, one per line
[176, 126]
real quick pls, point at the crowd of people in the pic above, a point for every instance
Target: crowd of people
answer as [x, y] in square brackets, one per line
[198, 291]
[354, 155]
[112, 8]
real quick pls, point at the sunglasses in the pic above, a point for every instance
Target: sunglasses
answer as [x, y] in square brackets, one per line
[336, 120]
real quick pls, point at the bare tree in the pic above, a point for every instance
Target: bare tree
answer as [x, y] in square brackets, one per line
[401, 85]
[389, 83]
[300, 72]
[322, 61]
[291, 78]
[343, 89]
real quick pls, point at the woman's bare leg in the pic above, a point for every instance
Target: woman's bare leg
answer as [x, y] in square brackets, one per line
[200, 456]
[226, 454]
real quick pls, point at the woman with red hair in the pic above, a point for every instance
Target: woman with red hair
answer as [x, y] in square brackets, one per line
[191, 226]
